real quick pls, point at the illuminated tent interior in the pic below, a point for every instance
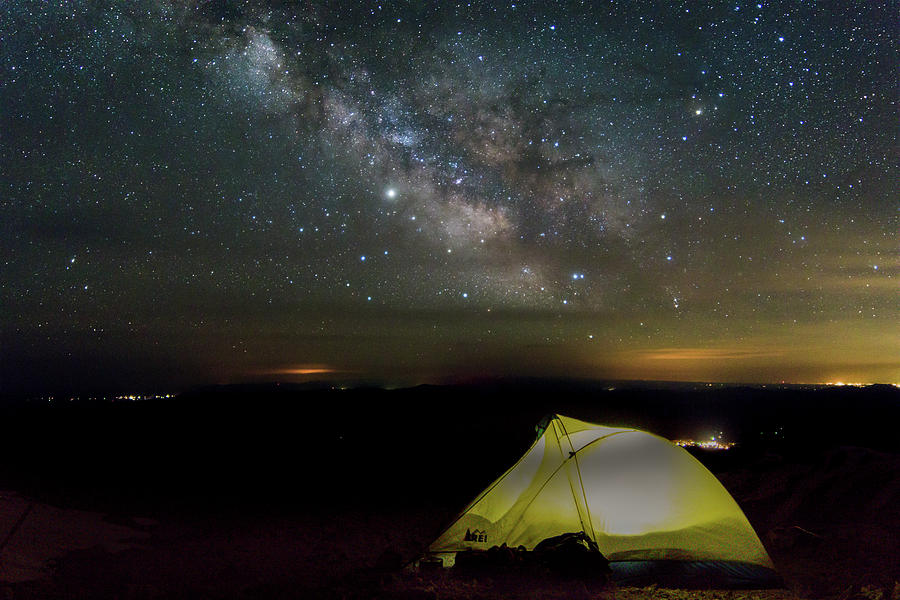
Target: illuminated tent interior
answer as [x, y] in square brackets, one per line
[656, 513]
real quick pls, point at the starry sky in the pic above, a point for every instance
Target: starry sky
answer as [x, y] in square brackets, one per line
[400, 192]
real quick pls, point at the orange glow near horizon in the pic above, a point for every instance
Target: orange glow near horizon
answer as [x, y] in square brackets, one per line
[304, 370]
[705, 354]
[751, 364]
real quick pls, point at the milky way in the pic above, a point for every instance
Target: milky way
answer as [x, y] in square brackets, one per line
[225, 190]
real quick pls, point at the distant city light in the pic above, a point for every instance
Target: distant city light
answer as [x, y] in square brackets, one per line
[715, 442]
[705, 444]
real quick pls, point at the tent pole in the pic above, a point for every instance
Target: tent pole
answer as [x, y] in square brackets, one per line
[580, 483]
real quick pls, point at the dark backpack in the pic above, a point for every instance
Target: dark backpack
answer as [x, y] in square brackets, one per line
[572, 554]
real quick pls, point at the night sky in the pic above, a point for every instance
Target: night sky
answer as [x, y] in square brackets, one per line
[223, 191]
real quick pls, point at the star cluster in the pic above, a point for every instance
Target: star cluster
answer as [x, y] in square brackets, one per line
[220, 190]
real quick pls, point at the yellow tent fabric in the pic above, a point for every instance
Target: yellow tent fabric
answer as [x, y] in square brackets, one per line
[639, 496]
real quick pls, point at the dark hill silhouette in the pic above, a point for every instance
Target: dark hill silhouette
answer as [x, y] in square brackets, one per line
[313, 443]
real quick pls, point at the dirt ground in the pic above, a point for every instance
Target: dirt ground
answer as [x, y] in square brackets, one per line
[831, 526]
[242, 495]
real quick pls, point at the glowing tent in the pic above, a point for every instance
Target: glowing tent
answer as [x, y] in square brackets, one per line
[655, 511]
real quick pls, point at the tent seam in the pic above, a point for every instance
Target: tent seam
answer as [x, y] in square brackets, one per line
[538, 493]
[484, 493]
